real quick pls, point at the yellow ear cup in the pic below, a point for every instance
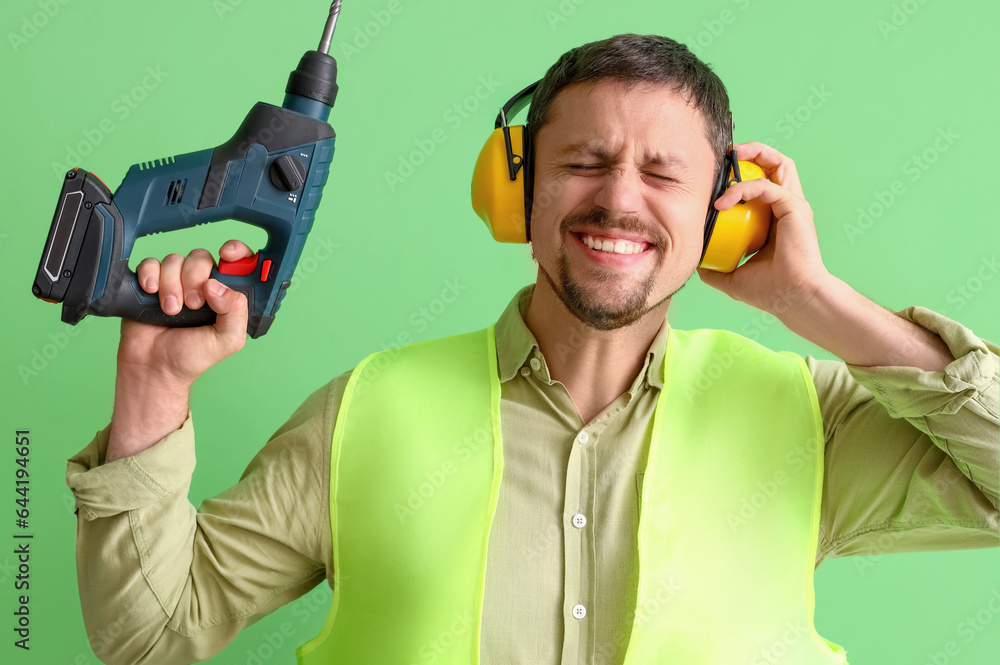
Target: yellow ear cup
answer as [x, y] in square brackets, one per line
[739, 231]
[497, 199]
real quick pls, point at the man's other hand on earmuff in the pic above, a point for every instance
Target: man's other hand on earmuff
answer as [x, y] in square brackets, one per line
[789, 266]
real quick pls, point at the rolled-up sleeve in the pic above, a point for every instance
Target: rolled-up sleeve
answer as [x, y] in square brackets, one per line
[161, 582]
[912, 457]
[103, 490]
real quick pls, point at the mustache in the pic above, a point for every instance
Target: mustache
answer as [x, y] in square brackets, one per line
[602, 220]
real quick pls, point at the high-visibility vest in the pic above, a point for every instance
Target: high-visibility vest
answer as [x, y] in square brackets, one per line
[728, 520]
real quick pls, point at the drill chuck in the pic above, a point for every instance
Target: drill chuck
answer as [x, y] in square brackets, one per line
[314, 78]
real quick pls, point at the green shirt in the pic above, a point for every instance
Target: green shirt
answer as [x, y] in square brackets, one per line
[911, 464]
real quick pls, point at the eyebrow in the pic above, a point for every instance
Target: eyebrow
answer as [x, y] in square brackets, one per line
[668, 159]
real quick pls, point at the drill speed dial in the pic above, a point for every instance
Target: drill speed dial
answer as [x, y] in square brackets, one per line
[287, 173]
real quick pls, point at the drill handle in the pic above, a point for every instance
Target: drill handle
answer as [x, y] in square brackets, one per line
[129, 301]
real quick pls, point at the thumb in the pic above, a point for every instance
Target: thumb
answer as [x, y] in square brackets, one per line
[715, 279]
[231, 308]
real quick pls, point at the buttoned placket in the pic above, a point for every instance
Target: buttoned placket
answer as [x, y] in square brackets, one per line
[579, 541]
[579, 546]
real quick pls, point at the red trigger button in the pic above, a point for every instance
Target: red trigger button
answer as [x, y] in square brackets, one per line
[241, 267]
[265, 270]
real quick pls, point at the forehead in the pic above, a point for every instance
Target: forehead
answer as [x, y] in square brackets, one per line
[610, 116]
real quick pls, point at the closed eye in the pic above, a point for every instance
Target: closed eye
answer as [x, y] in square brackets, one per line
[599, 167]
[661, 177]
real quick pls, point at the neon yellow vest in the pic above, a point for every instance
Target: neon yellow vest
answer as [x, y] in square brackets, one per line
[729, 511]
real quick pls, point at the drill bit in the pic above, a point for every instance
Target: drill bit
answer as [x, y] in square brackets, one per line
[331, 23]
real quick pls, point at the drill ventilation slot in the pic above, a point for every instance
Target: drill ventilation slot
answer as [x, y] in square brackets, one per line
[143, 166]
[175, 192]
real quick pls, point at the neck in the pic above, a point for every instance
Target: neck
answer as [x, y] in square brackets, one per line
[596, 366]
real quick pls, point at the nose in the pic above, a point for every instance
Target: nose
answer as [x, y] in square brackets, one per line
[619, 193]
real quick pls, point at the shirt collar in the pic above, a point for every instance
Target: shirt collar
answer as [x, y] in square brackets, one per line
[516, 344]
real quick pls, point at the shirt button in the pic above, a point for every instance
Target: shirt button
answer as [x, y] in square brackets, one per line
[525, 371]
[536, 364]
[582, 437]
[579, 521]
[579, 611]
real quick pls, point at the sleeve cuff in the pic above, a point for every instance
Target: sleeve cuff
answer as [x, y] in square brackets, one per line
[913, 392]
[103, 490]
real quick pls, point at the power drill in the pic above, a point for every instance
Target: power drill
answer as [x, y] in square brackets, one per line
[270, 174]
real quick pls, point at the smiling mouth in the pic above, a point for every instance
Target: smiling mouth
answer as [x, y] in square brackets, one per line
[612, 245]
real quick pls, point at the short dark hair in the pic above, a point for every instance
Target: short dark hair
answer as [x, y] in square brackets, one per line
[634, 59]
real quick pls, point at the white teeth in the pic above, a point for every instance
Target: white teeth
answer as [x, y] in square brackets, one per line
[612, 246]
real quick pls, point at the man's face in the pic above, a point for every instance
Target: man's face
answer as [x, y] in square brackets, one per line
[630, 169]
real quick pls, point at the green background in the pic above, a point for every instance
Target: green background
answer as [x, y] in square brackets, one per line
[892, 74]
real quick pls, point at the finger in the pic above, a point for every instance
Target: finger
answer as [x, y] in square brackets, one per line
[234, 250]
[171, 295]
[148, 274]
[232, 312]
[781, 200]
[196, 270]
[778, 167]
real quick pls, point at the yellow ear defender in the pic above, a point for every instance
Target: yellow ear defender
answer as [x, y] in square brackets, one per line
[502, 184]
[740, 231]
[503, 178]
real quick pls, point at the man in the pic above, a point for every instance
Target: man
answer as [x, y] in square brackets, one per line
[576, 494]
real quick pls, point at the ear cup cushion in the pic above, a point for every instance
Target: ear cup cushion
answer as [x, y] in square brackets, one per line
[527, 174]
[718, 190]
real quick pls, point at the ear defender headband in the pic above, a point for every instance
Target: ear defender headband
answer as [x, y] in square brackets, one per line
[503, 179]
